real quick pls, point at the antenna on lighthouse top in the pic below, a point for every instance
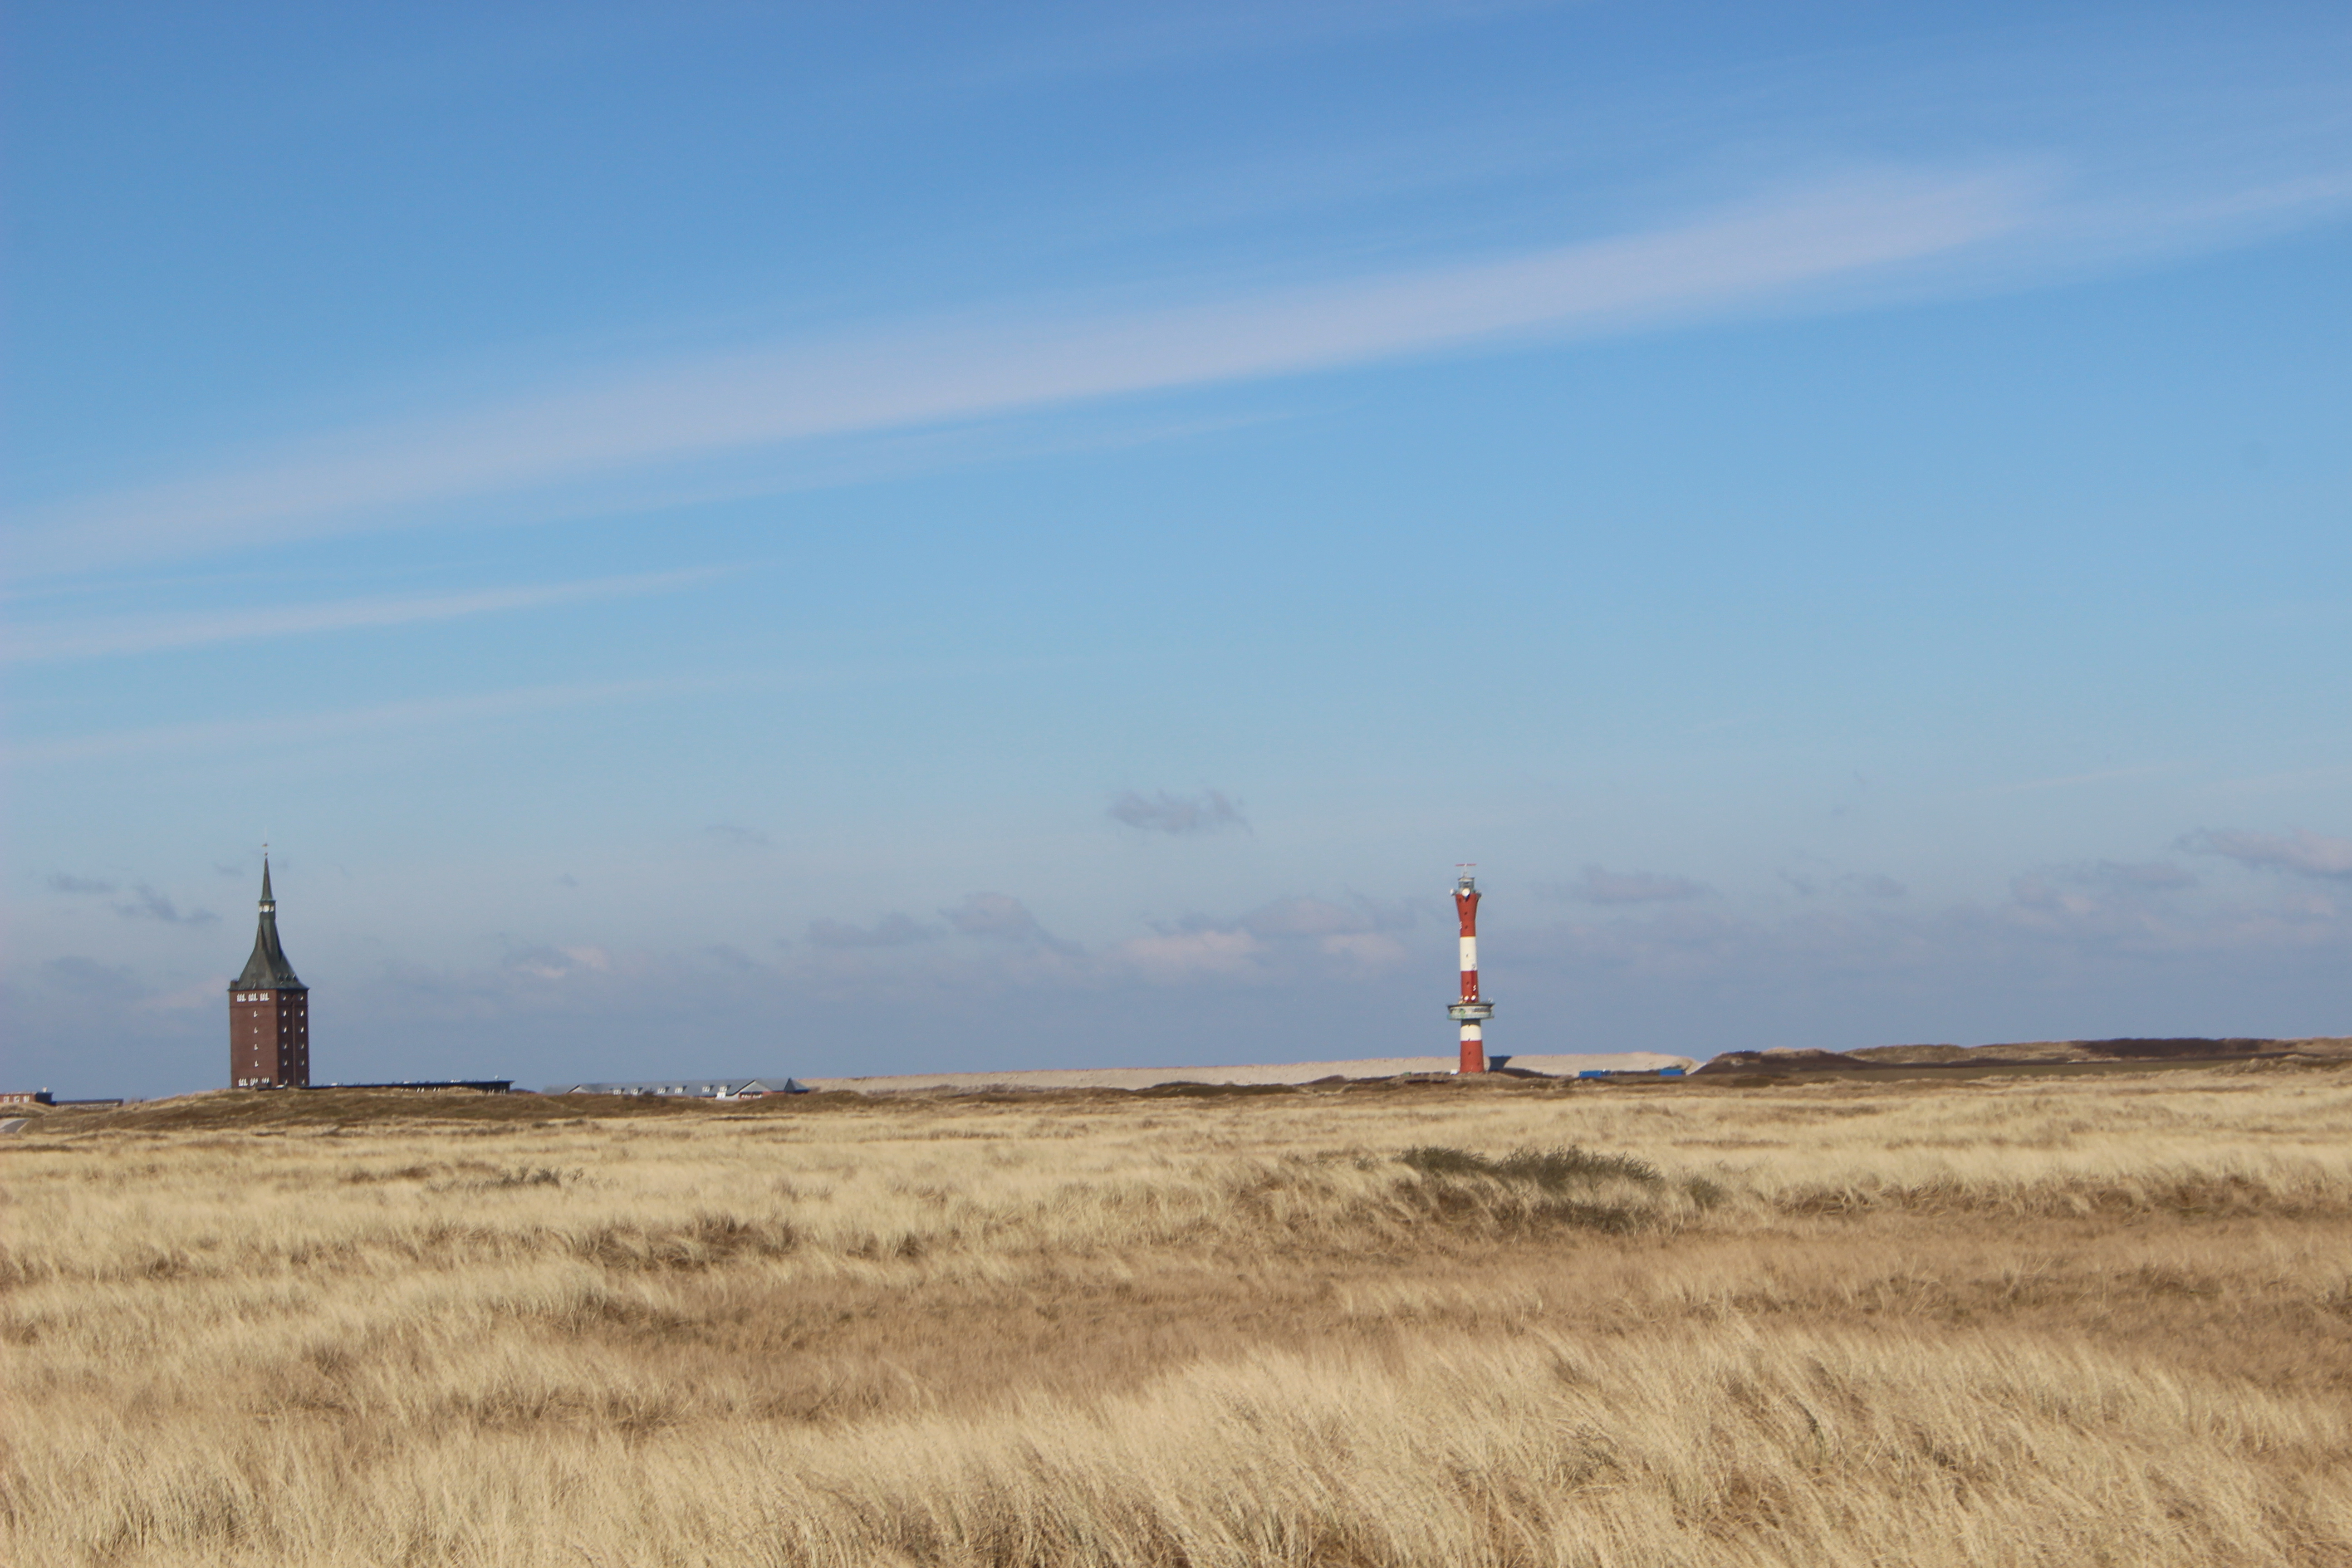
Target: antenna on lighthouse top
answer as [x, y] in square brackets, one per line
[1463, 878]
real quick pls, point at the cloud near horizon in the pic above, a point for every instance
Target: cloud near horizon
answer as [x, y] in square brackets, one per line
[2099, 888]
[559, 962]
[1599, 885]
[1290, 937]
[2301, 852]
[998, 917]
[893, 929]
[1015, 996]
[1869, 885]
[146, 903]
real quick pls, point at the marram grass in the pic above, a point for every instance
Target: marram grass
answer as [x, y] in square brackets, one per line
[2059, 1321]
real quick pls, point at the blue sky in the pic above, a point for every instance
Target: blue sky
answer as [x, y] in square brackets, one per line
[735, 538]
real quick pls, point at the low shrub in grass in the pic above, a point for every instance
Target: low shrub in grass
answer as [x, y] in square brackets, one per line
[1535, 1187]
[1549, 1169]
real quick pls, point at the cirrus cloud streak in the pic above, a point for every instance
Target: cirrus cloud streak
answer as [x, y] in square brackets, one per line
[1012, 360]
[98, 638]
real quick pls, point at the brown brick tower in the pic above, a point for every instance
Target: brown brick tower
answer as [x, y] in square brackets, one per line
[268, 1011]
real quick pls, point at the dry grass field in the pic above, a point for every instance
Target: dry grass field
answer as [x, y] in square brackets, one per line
[2010, 1319]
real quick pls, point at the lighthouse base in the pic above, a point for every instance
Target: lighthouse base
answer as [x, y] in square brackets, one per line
[1472, 1016]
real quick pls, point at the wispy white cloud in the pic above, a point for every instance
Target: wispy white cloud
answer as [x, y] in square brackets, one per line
[2298, 779]
[1153, 37]
[2069, 781]
[372, 718]
[1011, 359]
[426, 712]
[121, 634]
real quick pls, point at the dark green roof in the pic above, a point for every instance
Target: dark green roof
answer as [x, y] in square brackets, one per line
[267, 970]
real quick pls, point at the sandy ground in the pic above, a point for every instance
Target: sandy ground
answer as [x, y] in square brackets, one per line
[1264, 1072]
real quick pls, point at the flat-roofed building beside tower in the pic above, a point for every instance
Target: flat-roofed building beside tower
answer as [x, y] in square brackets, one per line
[268, 1011]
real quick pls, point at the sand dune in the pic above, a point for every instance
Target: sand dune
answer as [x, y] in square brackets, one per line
[1264, 1072]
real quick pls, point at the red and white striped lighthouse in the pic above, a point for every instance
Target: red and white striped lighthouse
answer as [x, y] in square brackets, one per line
[1470, 1011]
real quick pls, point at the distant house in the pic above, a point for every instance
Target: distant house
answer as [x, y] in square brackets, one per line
[691, 1088]
[25, 1096]
[479, 1085]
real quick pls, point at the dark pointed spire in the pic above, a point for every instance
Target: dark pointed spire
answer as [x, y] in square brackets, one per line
[267, 970]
